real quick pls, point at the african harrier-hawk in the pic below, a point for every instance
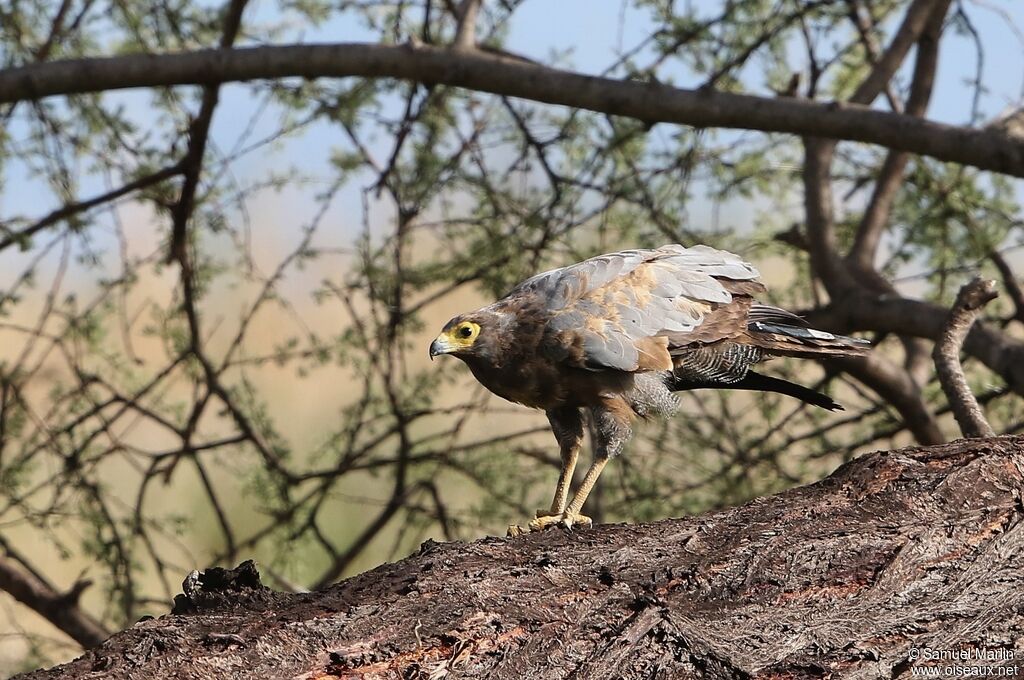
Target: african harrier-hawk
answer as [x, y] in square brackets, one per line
[617, 335]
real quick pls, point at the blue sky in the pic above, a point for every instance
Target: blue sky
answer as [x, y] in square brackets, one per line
[590, 32]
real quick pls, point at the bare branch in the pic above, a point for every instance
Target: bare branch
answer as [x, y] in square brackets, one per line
[989, 149]
[917, 359]
[60, 609]
[863, 311]
[890, 178]
[922, 16]
[864, 28]
[56, 28]
[465, 35]
[895, 386]
[818, 208]
[972, 297]
[1010, 282]
[199, 130]
[73, 209]
[889, 62]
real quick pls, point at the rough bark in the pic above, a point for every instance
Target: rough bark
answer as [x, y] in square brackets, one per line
[972, 297]
[916, 549]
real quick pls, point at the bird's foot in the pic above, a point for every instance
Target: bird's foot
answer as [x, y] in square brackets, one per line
[568, 520]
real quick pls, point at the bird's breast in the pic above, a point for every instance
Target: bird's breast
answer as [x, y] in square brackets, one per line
[530, 383]
[543, 384]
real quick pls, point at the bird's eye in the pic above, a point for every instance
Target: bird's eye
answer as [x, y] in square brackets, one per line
[465, 331]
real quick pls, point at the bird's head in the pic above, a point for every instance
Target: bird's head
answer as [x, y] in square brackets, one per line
[467, 335]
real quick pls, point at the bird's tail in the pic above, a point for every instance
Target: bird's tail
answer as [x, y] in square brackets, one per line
[783, 333]
[759, 383]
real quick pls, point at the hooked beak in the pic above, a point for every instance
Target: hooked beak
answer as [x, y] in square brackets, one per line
[440, 345]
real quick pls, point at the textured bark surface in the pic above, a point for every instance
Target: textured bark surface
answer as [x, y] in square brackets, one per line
[897, 551]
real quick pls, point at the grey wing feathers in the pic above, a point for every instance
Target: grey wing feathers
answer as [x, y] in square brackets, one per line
[615, 304]
[562, 286]
[680, 271]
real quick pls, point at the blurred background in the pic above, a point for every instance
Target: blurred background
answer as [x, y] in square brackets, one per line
[257, 386]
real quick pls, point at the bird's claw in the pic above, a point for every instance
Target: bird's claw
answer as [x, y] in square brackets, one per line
[568, 520]
[546, 519]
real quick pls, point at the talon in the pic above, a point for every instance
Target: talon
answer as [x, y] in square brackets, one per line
[581, 520]
[564, 519]
[543, 522]
[514, 530]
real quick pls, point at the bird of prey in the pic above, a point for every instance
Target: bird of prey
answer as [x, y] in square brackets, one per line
[617, 335]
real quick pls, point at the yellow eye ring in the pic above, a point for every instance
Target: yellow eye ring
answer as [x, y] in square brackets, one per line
[465, 333]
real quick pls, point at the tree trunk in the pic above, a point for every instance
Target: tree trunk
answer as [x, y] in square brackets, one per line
[898, 558]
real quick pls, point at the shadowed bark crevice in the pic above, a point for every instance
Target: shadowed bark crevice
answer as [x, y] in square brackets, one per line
[895, 551]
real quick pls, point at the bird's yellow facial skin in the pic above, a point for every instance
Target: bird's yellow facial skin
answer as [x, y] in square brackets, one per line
[459, 337]
[464, 334]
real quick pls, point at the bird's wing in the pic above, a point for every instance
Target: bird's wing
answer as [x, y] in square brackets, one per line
[628, 310]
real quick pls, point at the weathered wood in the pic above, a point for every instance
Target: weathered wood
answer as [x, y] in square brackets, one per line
[897, 551]
[974, 295]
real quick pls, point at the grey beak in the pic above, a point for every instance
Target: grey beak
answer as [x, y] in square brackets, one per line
[438, 346]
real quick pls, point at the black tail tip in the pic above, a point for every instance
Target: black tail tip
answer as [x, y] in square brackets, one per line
[820, 400]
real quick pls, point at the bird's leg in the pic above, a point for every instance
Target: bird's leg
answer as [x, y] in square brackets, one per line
[612, 432]
[569, 457]
[558, 512]
[571, 516]
[567, 425]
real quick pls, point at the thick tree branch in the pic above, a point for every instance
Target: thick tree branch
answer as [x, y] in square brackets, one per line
[864, 311]
[845, 276]
[917, 359]
[922, 16]
[896, 552]
[988, 149]
[895, 385]
[465, 34]
[822, 246]
[972, 297]
[199, 131]
[890, 178]
[913, 24]
[865, 28]
[61, 609]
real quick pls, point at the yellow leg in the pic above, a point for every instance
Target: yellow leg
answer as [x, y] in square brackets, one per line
[571, 515]
[569, 457]
[586, 486]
